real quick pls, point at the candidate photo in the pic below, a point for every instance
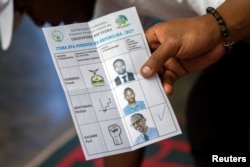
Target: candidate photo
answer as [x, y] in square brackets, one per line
[124, 76]
[139, 123]
[133, 105]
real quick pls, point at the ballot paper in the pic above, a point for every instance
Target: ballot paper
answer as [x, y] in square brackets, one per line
[101, 103]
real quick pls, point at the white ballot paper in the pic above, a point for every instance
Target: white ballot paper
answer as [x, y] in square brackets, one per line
[98, 64]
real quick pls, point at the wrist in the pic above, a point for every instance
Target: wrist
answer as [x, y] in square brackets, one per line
[228, 42]
[237, 18]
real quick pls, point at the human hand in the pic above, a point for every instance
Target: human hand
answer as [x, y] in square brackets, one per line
[182, 46]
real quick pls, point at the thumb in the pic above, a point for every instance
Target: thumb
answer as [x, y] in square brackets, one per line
[158, 58]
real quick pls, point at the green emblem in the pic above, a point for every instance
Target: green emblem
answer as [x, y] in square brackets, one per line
[96, 80]
[121, 20]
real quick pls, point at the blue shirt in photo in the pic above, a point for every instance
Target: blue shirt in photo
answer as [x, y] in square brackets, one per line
[140, 105]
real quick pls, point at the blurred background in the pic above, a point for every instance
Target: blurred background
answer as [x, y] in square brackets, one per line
[33, 110]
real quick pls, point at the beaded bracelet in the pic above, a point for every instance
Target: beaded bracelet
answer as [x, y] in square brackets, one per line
[224, 32]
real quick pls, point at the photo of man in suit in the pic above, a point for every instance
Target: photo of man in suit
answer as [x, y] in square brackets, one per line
[123, 76]
[138, 121]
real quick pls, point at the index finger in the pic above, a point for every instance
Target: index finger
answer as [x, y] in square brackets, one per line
[157, 59]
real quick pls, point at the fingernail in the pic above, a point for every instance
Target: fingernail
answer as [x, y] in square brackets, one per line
[147, 70]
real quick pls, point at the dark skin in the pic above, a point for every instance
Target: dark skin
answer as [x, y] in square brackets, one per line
[130, 97]
[182, 46]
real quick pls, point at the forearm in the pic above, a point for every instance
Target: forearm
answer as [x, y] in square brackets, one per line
[237, 18]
